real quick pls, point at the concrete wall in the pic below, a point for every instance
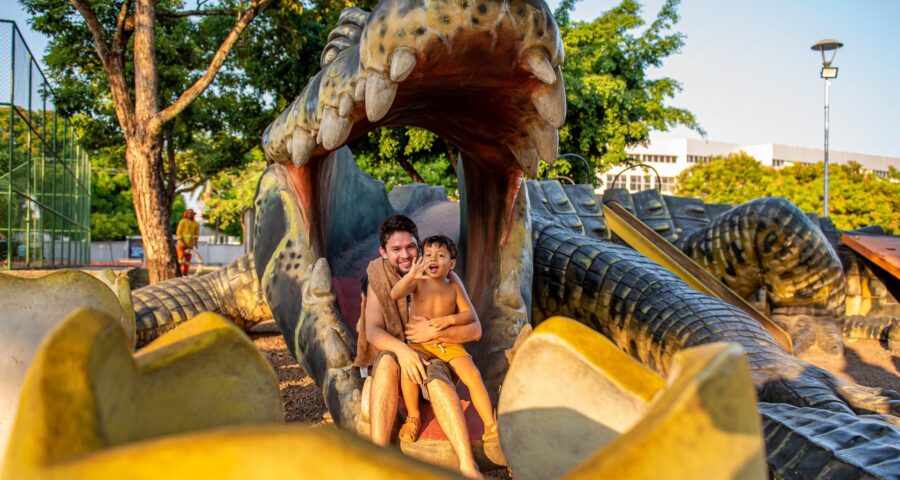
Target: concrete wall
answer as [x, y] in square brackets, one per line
[104, 252]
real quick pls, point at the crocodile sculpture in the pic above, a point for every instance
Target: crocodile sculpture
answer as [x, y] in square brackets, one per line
[485, 75]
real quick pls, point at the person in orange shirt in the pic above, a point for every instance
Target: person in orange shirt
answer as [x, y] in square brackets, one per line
[186, 233]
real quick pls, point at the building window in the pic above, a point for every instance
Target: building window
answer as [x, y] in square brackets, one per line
[634, 183]
[697, 159]
[668, 184]
[660, 158]
[776, 162]
[621, 182]
[880, 173]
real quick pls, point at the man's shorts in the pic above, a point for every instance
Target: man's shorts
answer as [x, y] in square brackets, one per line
[436, 369]
[442, 351]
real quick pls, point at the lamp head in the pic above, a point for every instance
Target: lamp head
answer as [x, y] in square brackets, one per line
[827, 45]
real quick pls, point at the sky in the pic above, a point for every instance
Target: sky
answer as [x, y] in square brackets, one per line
[748, 73]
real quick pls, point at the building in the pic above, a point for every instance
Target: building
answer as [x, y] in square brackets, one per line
[670, 156]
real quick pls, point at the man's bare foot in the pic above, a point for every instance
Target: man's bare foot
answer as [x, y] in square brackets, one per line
[470, 471]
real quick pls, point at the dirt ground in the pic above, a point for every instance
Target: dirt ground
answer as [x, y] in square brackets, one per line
[865, 362]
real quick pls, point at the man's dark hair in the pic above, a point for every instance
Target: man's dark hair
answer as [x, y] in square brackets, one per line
[441, 241]
[396, 223]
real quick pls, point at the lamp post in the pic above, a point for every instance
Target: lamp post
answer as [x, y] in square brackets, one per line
[828, 72]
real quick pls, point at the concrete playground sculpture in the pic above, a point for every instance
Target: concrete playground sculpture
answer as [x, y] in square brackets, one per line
[32, 307]
[486, 75]
[199, 402]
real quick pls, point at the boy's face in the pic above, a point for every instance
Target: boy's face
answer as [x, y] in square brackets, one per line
[437, 261]
[400, 250]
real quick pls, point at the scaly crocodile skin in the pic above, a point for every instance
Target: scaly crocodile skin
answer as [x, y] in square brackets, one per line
[232, 291]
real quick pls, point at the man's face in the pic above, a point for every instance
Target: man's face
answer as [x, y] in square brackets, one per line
[400, 250]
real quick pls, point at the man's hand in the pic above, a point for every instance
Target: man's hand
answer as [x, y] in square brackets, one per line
[440, 323]
[411, 364]
[418, 330]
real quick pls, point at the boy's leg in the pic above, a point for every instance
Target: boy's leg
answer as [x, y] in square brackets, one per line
[467, 372]
[410, 391]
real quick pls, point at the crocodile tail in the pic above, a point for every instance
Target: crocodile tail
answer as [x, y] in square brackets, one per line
[814, 443]
[232, 291]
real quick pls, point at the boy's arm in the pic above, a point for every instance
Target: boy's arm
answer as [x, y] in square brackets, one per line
[407, 284]
[422, 332]
[465, 313]
[410, 363]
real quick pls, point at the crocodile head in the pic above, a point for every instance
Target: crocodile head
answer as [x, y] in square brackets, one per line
[484, 75]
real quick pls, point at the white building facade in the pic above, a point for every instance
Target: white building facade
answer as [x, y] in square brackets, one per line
[671, 156]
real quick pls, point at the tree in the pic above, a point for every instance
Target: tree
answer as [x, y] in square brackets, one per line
[124, 38]
[857, 198]
[612, 103]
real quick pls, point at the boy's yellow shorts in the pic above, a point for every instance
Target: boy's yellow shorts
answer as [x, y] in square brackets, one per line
[443, 351]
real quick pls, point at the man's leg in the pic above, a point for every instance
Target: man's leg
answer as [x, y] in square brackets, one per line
[186, 266]
[449, 414]
[383, 398]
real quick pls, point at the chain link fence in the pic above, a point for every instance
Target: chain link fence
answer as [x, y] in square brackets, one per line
[45, 201]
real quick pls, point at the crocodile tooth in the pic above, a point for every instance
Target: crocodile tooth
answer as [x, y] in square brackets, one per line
[346, 105]
[334, 129]
[320, 279]
[545, 139]
[403, 61]
[359, 92]
[550, 100]
[380, 93]
[536, 62]
[526, 157]
[302, 146]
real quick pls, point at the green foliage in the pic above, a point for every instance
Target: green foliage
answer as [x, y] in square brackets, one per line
[112, 216]
[612, 104]
[379, 152]
[856, 198]
[230, 193]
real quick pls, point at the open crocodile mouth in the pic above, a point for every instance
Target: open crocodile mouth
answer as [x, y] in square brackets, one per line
[485, 76]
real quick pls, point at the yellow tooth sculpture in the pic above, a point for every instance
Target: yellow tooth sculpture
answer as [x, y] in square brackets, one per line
[575, 406]
[31, 307]
[199, 402]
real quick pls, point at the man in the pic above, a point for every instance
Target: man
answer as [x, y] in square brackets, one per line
[186, 233]
[386, 327]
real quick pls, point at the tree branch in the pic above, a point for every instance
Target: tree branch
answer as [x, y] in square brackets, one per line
[410, 170]
[146, 75]
[112, 66]
[121, 38]
[198, 13]
[218, 59]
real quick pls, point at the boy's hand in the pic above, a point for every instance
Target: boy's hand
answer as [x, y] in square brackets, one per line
[440, 323]
[417, 270]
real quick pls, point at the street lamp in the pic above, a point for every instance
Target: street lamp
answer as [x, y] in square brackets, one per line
[828, 72]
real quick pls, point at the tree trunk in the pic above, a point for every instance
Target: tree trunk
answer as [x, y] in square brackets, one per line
[410, 170]
[152, 211]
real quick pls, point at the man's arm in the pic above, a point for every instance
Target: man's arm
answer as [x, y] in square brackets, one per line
[419, 331]
[410, 363]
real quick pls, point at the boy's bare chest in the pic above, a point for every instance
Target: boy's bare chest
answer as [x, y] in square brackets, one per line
[433, 299]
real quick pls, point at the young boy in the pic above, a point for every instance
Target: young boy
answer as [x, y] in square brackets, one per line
[444, 303]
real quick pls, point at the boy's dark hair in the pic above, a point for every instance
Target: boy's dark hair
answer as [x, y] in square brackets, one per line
[441, 241]
[396, 223]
